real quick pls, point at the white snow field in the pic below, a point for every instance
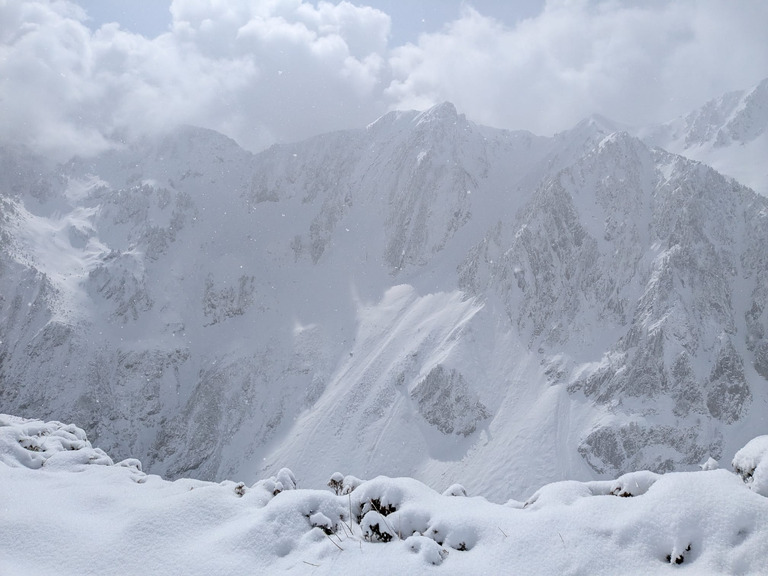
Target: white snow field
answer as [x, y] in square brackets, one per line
[66, 509]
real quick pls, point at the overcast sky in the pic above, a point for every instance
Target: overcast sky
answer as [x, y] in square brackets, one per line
[76, 76]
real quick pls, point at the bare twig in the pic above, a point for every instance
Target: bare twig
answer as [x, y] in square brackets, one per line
[502, 531]
[334, 543]
[310, 563]
[344, 528]
[349, 495]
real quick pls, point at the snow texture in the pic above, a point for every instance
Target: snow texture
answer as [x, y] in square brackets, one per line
[75, 518]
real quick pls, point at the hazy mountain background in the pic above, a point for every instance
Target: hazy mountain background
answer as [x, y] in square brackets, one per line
[424, 296]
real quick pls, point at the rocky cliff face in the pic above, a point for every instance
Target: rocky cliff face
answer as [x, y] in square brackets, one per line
[424, 296]
[636, 261]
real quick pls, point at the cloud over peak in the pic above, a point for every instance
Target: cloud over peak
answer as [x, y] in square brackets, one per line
[286, 69]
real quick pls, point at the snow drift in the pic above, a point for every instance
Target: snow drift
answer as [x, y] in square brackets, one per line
[85, 515]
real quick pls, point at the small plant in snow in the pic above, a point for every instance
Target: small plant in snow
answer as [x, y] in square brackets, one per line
[455, 490]
[284, 480]
[337, 483]
[751, 463]
[710, 464]
[677, 557]
[343, 485]
[375, 504]
[428, 549]
[287, 479]
[320, 520]
[376, 528]
[633, 483]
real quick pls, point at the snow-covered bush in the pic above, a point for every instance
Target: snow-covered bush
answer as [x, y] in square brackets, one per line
[336, 483]
[710, 464]
[134, 465]
[751, 463]
[633, 483]
[320, 520]
[274, 485]
[455, 490]
[381, 495]
[343, 485]
[376, 528]
[678, 556]
[427, 548]
[399, 509]
[33, 444]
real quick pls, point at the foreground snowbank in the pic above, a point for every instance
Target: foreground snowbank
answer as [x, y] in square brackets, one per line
[66, 509]
[751, 462]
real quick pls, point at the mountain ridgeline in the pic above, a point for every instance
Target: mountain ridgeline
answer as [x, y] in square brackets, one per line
[423, 297]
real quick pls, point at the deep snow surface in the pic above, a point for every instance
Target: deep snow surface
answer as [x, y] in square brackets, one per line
[66, 509]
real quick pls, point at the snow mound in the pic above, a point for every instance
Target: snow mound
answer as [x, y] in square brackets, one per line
[633, 483]
[710, 464]
[33, 444]
[558, 493]
[751, 463]
[455, 490]
[641, 521]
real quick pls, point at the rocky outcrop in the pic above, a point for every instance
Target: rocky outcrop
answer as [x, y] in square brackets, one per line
[447, 403]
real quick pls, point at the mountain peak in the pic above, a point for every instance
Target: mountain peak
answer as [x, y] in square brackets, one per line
[443, 112]
[599, 124]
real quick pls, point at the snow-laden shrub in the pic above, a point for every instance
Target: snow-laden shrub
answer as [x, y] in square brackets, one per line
[343, 485]
[453, 535]
[382, 495]
[240, 489]
[677, 556]
[410, 520]
[751, 463]
[132, 463]
[336, 482]
[284, 480]
[320, 520]
[455, 490]
[710, 464]
[134, 466]
[427, 548]
[633, 483]
[33, 444]
[376, 528]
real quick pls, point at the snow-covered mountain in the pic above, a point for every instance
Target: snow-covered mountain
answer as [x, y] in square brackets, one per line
[729, 133]
[423, 297]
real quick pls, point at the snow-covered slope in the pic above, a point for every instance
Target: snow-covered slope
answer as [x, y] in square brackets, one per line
[422, 297]
[67, 510]
[729, 133]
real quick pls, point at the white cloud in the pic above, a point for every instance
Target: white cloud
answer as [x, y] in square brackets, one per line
[256, 71]
[287, 69]
[636, 62]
